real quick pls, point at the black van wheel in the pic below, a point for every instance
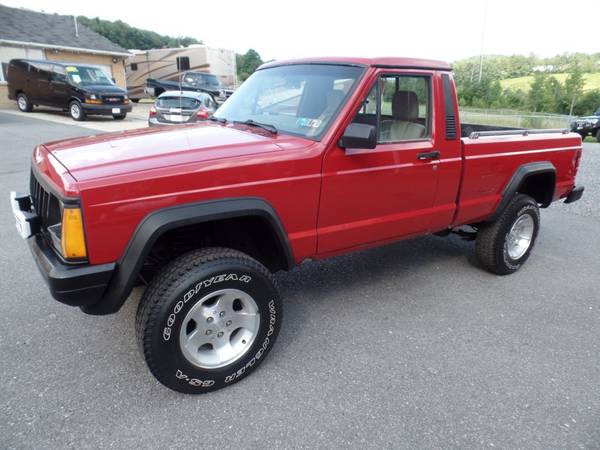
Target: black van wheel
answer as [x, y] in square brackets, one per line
[119, 116]
[76, 111]
[23, 103]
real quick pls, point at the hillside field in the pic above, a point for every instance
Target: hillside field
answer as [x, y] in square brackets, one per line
[592, 81]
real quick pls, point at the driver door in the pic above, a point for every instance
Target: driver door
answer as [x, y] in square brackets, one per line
[388, 192]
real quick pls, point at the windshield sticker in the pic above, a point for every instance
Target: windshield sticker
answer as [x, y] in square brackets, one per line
[76, 78]
[71, 69]
[305, 122]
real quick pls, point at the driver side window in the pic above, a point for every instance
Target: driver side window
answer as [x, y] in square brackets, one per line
[399, 106]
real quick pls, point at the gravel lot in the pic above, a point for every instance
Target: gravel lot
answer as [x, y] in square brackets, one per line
[407, 346]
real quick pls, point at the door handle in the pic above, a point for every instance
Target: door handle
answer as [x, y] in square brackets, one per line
[428, 155]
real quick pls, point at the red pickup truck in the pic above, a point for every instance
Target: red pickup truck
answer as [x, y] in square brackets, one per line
[307, 159]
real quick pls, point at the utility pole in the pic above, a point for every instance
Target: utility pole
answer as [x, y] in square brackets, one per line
[484, 23]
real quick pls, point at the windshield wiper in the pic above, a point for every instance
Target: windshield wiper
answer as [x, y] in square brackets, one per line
[218, 119]
[265, 126]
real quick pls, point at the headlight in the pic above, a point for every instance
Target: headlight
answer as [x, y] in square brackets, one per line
[92, 98]
[594, 121]
[72, 239]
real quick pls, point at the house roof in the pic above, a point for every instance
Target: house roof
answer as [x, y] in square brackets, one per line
[22, 26]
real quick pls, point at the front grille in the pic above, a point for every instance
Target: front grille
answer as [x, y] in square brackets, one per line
[116, 99]
[45, 204]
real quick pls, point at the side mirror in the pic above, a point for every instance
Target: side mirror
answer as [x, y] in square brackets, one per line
[359, 135]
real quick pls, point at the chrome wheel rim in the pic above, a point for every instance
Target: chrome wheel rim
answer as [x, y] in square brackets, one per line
[75, 110]
[518, 239]
[22, 102]
[219, 329]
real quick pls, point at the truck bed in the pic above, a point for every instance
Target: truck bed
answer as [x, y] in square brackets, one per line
[492, 155]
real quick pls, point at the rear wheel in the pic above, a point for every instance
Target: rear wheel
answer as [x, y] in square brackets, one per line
[23, 102]
[208, 319]
[76, 111]
[503, 246]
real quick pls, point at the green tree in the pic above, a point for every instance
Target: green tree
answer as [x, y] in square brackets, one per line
[573, 90]
[537, 92]
[247, 63]
[130, 37]
[590, 102]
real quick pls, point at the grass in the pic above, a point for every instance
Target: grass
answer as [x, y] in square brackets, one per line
[592, 81]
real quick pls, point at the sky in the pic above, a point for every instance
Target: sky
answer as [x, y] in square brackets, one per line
[438, 29]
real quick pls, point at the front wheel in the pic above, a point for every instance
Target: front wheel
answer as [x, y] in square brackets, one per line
[23, 103]
[598, 135]
[76, 111]
[504, 245]
[208, 319]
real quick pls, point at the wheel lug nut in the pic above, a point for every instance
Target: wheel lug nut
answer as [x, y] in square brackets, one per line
[220, 334]
[228, 323]
[209, 319]
[222, 313]
[208, 332]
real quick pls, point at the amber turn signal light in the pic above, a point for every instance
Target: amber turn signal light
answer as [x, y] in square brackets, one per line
[72, 239]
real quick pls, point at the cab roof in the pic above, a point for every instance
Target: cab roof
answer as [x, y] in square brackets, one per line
[391, 62]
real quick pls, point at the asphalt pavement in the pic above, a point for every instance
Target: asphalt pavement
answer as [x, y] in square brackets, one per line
[405, 346]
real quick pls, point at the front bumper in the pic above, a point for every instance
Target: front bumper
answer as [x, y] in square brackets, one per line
[105, 110]
[74, 285]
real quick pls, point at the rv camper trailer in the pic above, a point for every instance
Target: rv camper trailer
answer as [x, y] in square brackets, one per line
[169, 63]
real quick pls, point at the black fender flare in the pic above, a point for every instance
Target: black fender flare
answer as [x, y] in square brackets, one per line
[521, 174]
[158, 222]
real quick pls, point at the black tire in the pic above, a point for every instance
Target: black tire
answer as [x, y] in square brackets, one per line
[135, 100]
[23, 102]
[583, 136]
[176, 290]
[598, 135]
[119, 116]
[491, 243]
[76, 111]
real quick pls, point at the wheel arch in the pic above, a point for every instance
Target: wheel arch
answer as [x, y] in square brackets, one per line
[160, 222]
[536, 179]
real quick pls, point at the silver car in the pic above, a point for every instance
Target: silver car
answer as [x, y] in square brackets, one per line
[177, 107]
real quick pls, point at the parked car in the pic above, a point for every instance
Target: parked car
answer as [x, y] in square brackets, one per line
[80, 89]
[190, 81]
[177, 107]
[589, 125]
[308, 159]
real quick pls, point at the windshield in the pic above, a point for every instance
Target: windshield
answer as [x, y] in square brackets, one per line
[297, 99]
[177, 102]
[201, 78]
[85, 75]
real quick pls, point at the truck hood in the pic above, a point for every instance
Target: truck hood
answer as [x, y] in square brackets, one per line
[114, 154]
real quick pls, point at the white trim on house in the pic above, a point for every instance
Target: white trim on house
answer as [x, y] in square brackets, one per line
[62, 47]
